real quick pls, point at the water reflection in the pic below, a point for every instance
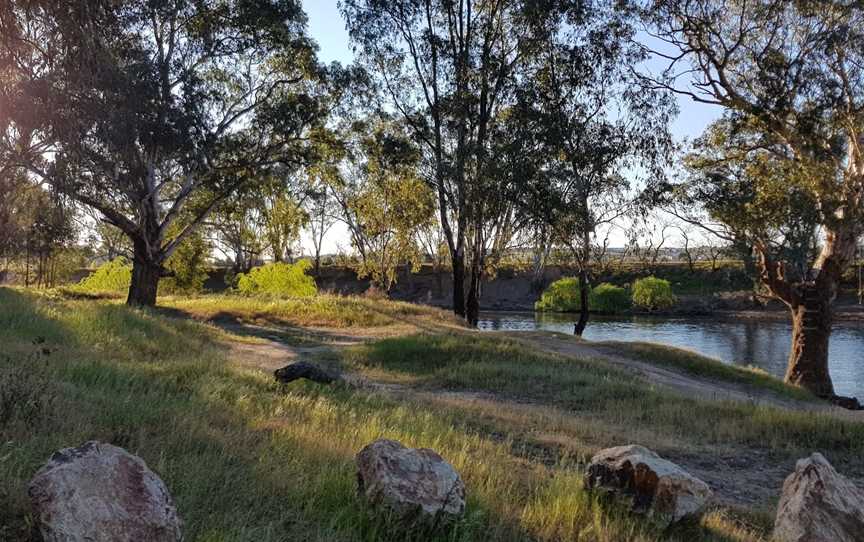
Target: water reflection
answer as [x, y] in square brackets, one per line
[760, 343]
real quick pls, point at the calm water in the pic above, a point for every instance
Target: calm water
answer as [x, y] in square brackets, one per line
[762, 344]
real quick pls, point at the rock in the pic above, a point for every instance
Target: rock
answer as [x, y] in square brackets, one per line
[819, 505]
[302, 369]
[98, 492]
[416, 486]
[657, 487]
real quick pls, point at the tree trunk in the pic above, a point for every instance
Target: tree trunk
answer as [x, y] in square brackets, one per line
[579, 328]
[584, 285]
[812, 317]
[472, 303]
[145, 279]
[810, 302]
[459, 286]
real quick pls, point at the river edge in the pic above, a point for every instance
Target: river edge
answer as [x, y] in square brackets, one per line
[768, 315]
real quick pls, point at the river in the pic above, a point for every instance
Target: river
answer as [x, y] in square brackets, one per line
[760, 343]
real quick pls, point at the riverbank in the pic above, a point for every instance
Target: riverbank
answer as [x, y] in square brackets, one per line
[189, 388]
[737, 340]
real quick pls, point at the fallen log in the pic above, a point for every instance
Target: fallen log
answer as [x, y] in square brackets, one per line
[309, 371]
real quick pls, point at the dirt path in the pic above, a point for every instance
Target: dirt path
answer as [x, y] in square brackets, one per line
[677, 381]
[674, 380]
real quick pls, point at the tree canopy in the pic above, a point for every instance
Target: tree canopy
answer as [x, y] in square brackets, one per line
[150, 110]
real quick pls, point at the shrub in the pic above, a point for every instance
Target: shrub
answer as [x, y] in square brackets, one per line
[112, 276]
[187, 265]
[561, 296]
[278, 278]
[609, 298]
[653, 293]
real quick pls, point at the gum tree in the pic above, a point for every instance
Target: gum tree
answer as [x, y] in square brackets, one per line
[790, 76]
[600, 133]
[448, 67]
[149, 110]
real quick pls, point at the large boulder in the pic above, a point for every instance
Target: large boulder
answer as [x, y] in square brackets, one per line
[819, 505]
[415, 486]
[98, 492]
[654, 486]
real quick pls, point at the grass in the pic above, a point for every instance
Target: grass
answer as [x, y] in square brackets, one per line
[320, 311]
[704, 366]
[247, 459]
[604, 396]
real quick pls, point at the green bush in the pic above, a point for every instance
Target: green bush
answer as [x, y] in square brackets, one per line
[112, 276]
[653, 293]
[561, 296]
[608, 298]
[187, 266]
[278, 278]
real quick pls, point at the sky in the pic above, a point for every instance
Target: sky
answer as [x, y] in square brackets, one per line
[327, 28]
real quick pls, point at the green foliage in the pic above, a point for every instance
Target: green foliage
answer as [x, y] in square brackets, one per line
[387, 202]
[26, 391]
[111, 276]
[653, 293]
[561, 296]
[188, 266]
[608, 298]
[278, 278]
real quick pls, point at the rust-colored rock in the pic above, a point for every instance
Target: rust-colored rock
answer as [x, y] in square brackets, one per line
[416, 486]
[100, 493]
[819, 505]
[656, 487]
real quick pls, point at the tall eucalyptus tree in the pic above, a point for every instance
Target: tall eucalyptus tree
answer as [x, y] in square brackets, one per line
[449, 68]
[601, 136]
[790, 76]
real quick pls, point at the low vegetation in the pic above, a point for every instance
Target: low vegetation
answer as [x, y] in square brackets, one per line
[563, 295]
[652, 293]
[606, 399]
[113, 276]
[319, 311]
[608, 298]
[278, 279]
[247, 459]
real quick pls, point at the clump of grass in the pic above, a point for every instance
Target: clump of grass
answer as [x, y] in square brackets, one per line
[26, 392]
